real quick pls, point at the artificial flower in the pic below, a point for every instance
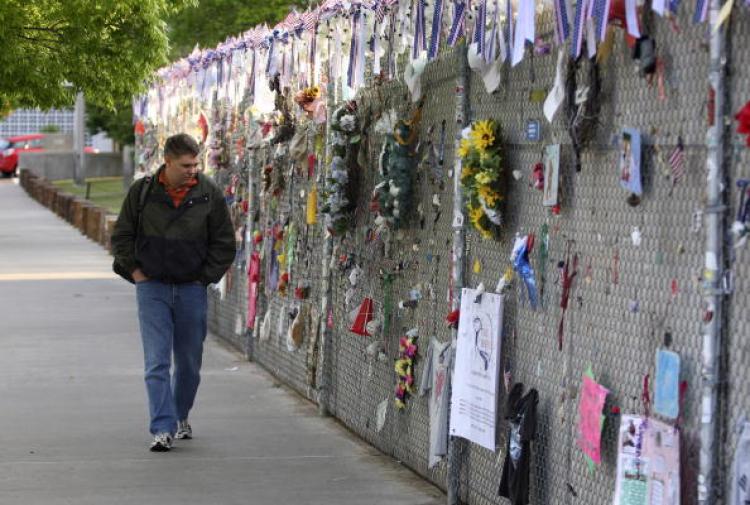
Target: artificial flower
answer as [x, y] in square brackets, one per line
[348, 122]
[484, 177]
[489, 196]
[483, 135]
[464, 147]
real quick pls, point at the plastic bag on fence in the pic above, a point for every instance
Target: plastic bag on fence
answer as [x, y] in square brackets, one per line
[265, 328]
[296, 332]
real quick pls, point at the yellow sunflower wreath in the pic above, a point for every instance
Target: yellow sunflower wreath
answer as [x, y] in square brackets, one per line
[481, 155]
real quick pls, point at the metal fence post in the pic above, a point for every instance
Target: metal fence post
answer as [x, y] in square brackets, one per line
[713, 291]
[325, 276]
[252, 207]
[459, 246]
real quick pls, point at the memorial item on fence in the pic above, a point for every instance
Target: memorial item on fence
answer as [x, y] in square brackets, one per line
[253, 280]
[551, 175]
[296, 332]
[522, 247]
[739, 493]
[582, 104]
[404, 367]
[361, 316]
[667, 389]
[477, 370]
[435, 377]
[590, 418]
[392, 196]
[521, 415]
[339, 192]
[648, 462]
[482, 181]
[741, 224]
[629, 164]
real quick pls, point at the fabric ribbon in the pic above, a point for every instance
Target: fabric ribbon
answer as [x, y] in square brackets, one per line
[353, 51]
[601, 14]
[509, 27]
[701, 11]
[562, 25]
[459, 13]
[578, 28]
[490, 51]
[420, 40]
[480, 27]
[437, 25]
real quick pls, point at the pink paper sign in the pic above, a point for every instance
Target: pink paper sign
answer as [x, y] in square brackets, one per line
[590, 408]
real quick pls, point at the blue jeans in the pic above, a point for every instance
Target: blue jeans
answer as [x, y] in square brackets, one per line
[172, 318]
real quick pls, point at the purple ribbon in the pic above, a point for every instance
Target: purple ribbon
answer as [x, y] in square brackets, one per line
[491, 50]
[701, 11]
[601, 13]
[459, 11]
[353, 49]
[480, 27]
[509, 28]
[437, 24]
[562, 25]
[577, 43]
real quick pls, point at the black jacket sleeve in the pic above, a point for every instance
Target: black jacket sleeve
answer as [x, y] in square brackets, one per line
[124, 234]
[221, 244]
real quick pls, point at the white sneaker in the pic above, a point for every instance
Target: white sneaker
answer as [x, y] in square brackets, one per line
[184, 431]
[162, 442]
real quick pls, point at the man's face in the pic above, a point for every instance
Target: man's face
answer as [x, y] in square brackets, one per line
[181, 169]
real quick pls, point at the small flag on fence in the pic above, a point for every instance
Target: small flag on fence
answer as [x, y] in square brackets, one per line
[677, 161]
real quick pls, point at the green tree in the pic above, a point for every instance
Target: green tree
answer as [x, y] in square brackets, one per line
[116, 121]
[52, 49]
[206, 24]
[212, 21]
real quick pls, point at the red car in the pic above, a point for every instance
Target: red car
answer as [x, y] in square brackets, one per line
[10, 147]
[31, 143]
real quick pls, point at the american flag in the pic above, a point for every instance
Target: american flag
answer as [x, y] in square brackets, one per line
[677, 161]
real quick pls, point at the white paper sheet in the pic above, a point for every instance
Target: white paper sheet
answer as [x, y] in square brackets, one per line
[477, 371]
[557, 93]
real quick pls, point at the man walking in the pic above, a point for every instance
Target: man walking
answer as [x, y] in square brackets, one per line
[172, 238]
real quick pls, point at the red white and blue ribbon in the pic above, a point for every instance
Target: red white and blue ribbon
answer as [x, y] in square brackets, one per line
[509, 28]
[437, 26]
[578, 28]
[601, 14]
[562, 25]
[459, 14]
[701, 11]
[490, 51]
[420, 39]
[480, 27]
[353, 49]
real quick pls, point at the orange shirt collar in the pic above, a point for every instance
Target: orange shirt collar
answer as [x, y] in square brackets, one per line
[176, 194]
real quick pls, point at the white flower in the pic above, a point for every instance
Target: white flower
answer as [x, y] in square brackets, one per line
[348, 122]
[386, 123]
[338, 139]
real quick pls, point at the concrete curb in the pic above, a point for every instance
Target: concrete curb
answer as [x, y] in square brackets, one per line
[95, 222]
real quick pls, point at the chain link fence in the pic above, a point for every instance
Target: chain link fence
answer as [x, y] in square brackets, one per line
[627, 299]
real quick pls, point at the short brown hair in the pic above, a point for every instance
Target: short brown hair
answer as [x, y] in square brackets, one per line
[180, 144]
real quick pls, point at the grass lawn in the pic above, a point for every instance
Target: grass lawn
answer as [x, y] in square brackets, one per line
[106, 192]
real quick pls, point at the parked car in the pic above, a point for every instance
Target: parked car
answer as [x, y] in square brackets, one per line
[10, 147]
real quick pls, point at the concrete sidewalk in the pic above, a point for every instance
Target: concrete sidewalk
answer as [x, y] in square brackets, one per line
[73, 413]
